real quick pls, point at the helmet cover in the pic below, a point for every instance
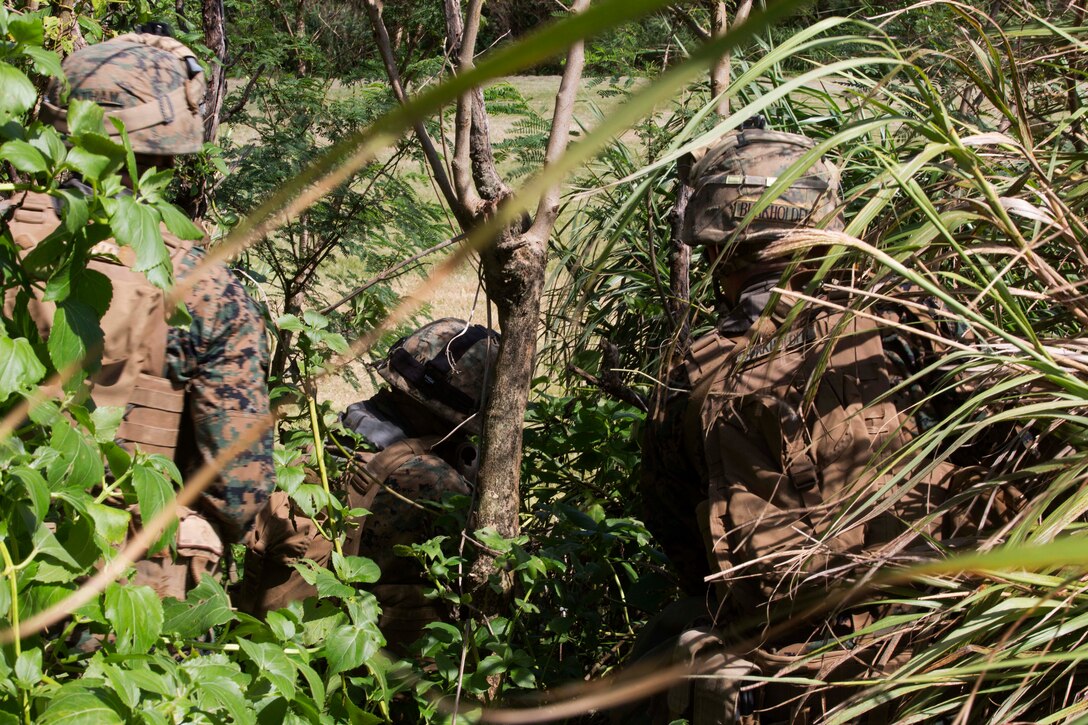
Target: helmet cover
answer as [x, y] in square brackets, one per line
[153, 83]
[732, 177]
[443, 365]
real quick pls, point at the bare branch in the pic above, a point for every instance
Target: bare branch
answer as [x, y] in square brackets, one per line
[559, 138]
[246, 93]
[464, 43]
[390, 272]
[385, 46]
[609, 382]
[684, 17]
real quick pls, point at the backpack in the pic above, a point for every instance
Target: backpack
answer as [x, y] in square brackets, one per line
[134, 331]
[282, 536]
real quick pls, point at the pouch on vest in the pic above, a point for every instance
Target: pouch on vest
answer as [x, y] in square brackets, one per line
[134, 330]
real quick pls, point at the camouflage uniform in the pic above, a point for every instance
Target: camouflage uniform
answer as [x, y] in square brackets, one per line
[222, 360]
[210, 386]
[405, 461]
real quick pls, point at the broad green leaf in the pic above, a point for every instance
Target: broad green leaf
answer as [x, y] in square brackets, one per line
[45, 61]
[76, 704]
[350, 646]
[135, 614]
[24, 157]
[123, 683]
[107, 419]
[273, 665]
[90, 165]
[27, 29]
[218, 684]
[37, 490]
[78, 465]
[76, 330]
[17, 93]
[355, 569]
[137, 226]
[178, 224]
[290, 322]
[206, 606]
[282, 627]
[110, 523]
[75, 212]
[326, 582]
[19, 366]
[154, 493]
[28, 668]
[48, 141]
[85, 117]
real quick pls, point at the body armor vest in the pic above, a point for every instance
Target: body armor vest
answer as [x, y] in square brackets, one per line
[134, 330]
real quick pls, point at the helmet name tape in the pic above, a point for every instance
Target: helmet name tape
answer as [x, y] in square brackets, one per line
[773, 213]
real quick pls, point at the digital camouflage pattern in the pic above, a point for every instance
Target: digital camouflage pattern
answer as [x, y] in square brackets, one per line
[152, 83]
[222, 360]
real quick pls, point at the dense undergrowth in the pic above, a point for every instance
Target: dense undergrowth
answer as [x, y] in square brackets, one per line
[964, 174]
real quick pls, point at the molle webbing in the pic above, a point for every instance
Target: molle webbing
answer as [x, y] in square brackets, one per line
[432, 378]
[134, 333]
[366, 481]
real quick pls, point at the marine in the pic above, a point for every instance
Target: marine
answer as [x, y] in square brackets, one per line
[771, 428]
[406, 452]
[188, 393]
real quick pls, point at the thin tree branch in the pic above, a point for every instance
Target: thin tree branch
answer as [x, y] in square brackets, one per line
[463, 42]
[390, 272]
[385, 46]
[246, 93]
[684, 17]
[559, 138]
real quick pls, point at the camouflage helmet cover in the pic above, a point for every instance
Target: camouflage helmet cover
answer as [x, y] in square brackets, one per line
[153, 83]
[734, 175]
[443, 365]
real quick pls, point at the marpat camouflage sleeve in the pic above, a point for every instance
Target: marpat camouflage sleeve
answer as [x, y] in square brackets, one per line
[222, 359]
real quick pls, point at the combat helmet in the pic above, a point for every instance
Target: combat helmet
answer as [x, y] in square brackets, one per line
[732, 177]
[153, 83]
[443, 365]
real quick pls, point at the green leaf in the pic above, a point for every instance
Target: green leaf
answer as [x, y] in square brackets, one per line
[326, 582]
[76, 330]
[355, 569]
[24, 157]
[78, 465]
[28, 668]
[76, 704]
[27, 29]
[107, 420]
[282, 627]
[109, 523]
[85, 117]
[273, 665]
[36, 488]
[135, 613]
[75, 212]
[45, 61]
[123, 683]
[136, 226]
[218, 684]
[154, 493]
[205, 606]
[49, 143]
[17, 93]
[351, 646]
[19, 366]
[290, 322]
[178, 224]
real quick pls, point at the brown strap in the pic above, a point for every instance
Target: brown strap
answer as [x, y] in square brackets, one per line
[367, 481]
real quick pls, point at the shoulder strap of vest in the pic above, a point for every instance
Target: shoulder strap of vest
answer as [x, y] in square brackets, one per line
[366, 481]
